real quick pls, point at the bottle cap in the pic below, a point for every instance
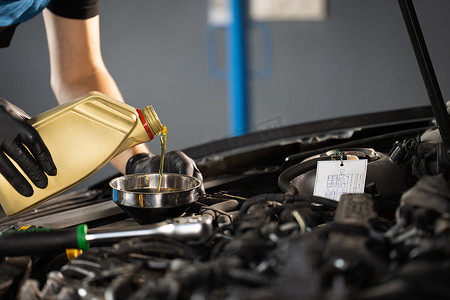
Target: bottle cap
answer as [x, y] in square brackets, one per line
[150, 120]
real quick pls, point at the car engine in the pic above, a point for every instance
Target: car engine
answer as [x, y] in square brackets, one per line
[266, 235]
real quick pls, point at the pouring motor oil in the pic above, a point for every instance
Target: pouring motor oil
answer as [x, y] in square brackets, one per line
[82, 136]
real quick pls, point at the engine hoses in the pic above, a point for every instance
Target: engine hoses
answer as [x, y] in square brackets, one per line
[284, 180]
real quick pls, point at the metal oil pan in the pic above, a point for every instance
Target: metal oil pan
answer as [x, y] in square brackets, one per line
[136, 195]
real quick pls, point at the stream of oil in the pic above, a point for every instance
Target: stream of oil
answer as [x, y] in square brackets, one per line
[163, 141]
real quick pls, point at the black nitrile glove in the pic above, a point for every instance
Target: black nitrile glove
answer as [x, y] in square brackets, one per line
[16, 136]
[174, 162]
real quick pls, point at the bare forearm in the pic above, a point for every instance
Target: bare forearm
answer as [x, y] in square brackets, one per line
[77, 66]
[95, 80]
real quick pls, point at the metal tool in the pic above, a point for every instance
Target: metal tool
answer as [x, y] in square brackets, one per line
[44, 240]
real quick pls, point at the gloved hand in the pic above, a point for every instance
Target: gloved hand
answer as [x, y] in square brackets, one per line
[174, 162]
[15, 135]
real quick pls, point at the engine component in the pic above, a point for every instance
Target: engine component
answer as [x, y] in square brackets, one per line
[274, 245]
[385, 178]
[12, 273]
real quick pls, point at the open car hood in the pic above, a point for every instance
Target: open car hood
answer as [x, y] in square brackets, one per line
[260, 231]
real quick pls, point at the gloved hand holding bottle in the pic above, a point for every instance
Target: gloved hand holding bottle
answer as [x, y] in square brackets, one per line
[16, 136]
[174, 162]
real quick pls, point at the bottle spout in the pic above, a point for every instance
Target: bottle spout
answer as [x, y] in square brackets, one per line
[150, 120]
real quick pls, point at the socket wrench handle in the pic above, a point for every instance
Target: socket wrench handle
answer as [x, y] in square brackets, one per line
[189, 229]
[40, 240]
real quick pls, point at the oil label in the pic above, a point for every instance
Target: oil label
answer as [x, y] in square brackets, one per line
[334, 178]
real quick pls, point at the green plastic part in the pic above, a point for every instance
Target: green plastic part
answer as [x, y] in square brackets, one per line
[81, 236]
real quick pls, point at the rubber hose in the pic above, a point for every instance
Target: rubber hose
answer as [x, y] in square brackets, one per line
[284, 180]
[282, 198]
[262, 198]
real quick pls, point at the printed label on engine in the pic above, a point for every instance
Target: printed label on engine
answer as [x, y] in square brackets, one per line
[334, 178]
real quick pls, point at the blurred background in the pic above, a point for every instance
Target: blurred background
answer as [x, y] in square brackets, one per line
[348, 57]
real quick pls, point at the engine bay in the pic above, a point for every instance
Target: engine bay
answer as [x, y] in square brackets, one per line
[264, 234]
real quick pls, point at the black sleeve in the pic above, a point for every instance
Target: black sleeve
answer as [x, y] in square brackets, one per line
[74, 9]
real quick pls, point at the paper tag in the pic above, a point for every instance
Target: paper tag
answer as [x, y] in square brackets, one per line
[334, 179]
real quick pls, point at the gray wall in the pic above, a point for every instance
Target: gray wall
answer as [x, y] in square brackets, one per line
[358, 60]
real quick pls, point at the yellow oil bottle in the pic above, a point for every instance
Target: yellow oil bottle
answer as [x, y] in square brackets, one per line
[82, 136]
